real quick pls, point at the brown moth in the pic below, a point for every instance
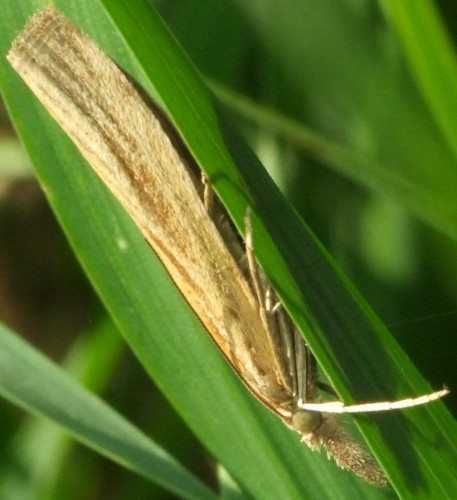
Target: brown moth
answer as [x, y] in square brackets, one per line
[148, 169]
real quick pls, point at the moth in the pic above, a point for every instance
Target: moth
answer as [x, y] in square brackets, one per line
[136, 152]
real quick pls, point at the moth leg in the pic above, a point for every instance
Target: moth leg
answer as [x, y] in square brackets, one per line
[223, 224]
[289, 343]
[254, 271]
[327, 388]
[278, 324]
[208, 195]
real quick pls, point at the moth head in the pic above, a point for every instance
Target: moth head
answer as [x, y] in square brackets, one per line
[306, 422]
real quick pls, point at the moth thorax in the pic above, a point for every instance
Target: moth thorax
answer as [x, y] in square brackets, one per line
[278, 393]
[306, 422]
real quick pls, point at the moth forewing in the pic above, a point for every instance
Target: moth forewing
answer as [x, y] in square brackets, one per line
[130, 146]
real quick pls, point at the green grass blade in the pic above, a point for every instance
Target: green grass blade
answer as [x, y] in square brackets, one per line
[432, 57]
[37, 385]
[342, 75]
[39, 446]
